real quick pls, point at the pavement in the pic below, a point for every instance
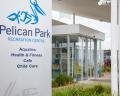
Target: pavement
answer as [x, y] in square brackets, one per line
[102, 81]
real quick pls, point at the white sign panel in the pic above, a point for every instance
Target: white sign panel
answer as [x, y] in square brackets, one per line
[25, 47]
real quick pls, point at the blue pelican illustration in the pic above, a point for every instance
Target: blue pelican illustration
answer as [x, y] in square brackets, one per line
[37, 7]
[25, 16]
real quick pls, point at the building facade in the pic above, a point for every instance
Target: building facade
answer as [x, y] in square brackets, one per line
[77, 51]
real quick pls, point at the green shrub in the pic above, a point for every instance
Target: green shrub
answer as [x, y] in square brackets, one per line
[54, 84]
[61, 81]
[107, 69]
[97, 90]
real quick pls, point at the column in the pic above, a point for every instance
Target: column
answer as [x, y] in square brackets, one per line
[100, 59]
[68, 55]
[75, 61]
[72, 61]
[95, 58]
[61, 58]
[81, 55]
[86, 58]
[90, 63]
[115, 70]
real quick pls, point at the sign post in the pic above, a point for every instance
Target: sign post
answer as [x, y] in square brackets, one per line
[115, 42]
[25, 53]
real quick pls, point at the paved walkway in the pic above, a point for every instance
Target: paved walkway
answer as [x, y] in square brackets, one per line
[96, 81]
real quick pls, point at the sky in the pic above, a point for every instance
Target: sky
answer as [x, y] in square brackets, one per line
[101, 26]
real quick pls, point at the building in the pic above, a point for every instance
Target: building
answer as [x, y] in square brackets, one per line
[77, 51]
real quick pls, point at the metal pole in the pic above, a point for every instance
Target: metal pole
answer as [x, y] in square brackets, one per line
[61, 59]
[86, 58]
[68, 55]
[72, 61]
[95, 58]
[100, 59]
[82, 54]
[90, 60]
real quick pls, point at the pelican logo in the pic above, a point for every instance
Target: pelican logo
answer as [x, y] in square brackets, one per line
[28, 18]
